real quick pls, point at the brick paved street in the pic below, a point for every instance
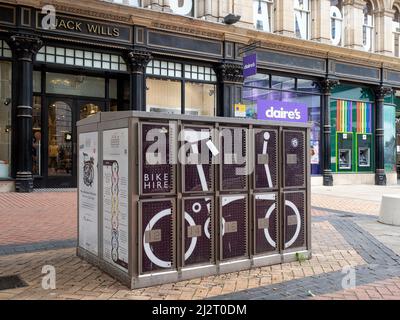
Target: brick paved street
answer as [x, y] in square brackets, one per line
[30, 224]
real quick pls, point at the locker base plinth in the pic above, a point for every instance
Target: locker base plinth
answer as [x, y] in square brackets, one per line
[192, 272]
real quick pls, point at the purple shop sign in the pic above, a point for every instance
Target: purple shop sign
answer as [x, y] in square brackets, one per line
[281, 111]
[250, 65]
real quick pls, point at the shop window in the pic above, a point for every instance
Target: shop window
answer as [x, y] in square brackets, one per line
[390, 138]
[302, 18]
[396, 31]
[200, 99]
[263, 14]
[5, 50]
[307, 86]
[67, 84]
[37, 81]
[351, 92]
[336, 22]
[81, 58]
[5, 119]
[37, 136]
[352, 125]
[259, 80]
[113, 89]
[368, 26]
[201, 73]
[163, 95]
[164, 68]
[60, 155]
[166, 82]
[252, 94]
[283, 83]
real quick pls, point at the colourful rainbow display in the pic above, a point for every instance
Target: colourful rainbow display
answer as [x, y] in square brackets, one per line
[364, 117]
[344, 117]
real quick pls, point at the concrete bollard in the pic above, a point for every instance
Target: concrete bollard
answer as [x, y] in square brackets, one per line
[390, 210]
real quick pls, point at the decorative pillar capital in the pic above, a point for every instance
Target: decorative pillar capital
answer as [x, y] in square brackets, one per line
[326, 85]
[25, 47]
[381, 92]
[138, 60]
[230, 72]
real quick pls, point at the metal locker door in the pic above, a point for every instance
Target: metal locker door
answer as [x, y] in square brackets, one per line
[294, 153]
[266, 159]
[198, 233]
[266, 222]
[157, 235]
[294, 217]
[233, 222]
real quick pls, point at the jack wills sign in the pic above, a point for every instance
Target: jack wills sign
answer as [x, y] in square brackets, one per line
[88, 28]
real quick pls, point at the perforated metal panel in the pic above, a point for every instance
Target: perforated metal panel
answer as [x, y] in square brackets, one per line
[266, 222]
[157, 178]
[233, 226]
[294, 219]
[234, 159]
[198, 233]
[157, 225]
[199, 176]
[266, 159]
[294, 145]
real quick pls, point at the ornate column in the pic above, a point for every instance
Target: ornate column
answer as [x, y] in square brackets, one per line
[230, 81]
[24, 49]
[353, 13]
[380, 175]
[326, 86]
[320, 29]
[138, 60]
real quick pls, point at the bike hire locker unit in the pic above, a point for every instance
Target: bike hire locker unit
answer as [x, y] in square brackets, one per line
[164, 198]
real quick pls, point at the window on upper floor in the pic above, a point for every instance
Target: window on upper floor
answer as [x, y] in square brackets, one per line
[263, 14]
[396, 32]
[336, 12]
[302, 12]
[368, 26]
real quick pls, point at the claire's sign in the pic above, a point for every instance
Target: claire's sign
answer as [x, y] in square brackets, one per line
[250, 65]
[281, 111]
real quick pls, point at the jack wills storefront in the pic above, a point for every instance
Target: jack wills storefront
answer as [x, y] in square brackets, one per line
[111, 58]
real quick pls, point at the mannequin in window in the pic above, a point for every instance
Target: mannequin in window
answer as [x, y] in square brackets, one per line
[53, 155]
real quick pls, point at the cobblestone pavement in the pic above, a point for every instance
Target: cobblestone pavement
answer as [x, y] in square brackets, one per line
[338, 241]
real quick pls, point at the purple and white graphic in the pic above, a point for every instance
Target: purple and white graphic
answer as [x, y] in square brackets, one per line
[266, 222]
[197, 232]
[266, 155]
[294, 223]
[281, 111]
[250, 65]
[157, 231]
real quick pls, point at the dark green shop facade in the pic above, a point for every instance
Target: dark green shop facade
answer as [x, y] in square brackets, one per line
[50, 79]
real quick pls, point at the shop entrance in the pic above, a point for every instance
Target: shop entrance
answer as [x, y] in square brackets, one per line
[55, 146]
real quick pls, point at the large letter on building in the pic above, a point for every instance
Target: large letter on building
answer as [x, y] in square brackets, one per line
[184, 10]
